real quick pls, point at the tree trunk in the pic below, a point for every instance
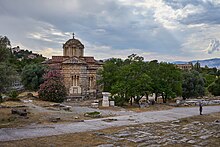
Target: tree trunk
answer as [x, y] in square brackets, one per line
[156, 95]
[147, 97]
[1, 99]
[131, 101]
[137, 100]
[164, 101]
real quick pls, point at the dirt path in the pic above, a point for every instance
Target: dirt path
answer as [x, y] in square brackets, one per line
[79, 110]
[7, 134]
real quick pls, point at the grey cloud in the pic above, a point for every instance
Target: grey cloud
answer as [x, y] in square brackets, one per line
[214, 45]
[100, 23]
[209, 15]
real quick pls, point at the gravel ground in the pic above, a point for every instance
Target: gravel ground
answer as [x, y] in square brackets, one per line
[8, 134]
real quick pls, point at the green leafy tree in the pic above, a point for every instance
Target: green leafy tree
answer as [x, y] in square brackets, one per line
[137, 80]
[209, 78]
[4, 49]
[53, 88]
[153, 71]
[7, 72]
[109, 74]
[218, 73]
[214, 88]
[193, 84]
[133, 78]
[7, 75]
[32, 76]
[126, 80]
[197, 67]
[166, 79]
[170, 81]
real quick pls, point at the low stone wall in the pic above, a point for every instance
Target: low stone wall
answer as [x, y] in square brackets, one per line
[195, 102]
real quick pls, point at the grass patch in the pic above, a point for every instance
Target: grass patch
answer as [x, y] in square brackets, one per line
[94, 114]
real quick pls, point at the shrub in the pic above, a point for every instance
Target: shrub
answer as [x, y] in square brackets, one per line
[214, 88]
[32, 76]
[53, 88]
[13, 94]
[94, 114]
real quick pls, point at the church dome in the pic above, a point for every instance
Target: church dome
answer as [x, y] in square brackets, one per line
[73, 47]
[74, 42]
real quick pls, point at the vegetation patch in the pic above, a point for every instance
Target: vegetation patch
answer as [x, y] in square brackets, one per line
[94, 114]
[53, 88]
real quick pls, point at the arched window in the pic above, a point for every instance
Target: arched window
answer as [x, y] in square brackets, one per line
[91, 80]
[75, 80]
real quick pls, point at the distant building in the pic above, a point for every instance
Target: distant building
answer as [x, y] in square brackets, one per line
[187, 66]
[79, 71]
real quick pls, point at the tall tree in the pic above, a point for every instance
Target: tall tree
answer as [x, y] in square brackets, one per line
[7, 72]
[109, 74]
[170, 81]
[193, 84]
[127, 79]
[4, 48]
[214, 88]
[32, 76]
[153, 71]
[197, 67]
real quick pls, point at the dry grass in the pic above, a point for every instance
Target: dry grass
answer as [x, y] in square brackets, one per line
[12, 120]
[23, 94]
[12, 104]
[73, 140]
[43, 103]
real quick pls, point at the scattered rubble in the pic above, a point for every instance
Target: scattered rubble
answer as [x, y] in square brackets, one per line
[195, 102]
[54, 119]
[20, 112]
[193, 134]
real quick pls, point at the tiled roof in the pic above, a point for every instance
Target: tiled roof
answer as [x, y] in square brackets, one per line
[89, 59]
[58, 59]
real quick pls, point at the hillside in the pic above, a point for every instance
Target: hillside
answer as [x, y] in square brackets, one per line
[215, 62]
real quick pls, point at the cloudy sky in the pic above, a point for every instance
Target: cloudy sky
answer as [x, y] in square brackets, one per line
[166, 30]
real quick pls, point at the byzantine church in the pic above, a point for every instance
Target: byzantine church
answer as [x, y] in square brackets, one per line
[79, 72]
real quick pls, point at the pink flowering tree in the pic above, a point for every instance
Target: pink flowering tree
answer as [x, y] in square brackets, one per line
[53, 88]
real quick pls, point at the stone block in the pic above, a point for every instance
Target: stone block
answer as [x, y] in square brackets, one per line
[105, 103]
[112, 103]
[95, 105]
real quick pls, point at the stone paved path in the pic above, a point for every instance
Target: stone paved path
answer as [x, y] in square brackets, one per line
[7, 134]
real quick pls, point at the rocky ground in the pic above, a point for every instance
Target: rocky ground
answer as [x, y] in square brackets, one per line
[194, 131]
